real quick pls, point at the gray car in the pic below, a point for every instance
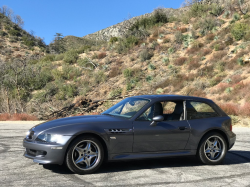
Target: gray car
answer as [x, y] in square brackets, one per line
[137, 127]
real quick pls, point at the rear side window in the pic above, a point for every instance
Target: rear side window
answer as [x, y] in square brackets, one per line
[199, 110]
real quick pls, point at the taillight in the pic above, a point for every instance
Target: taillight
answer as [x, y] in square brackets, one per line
[231, 127]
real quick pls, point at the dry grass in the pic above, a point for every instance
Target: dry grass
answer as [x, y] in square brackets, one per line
[193, 64]
[17, 117]
[102, 55]
[180, 61]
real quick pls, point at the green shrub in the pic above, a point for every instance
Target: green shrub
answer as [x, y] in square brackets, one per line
[145, 55]
[151, 67]
[66, 91]
[149, 78]
[28, 41]
[70, 72]
[236, 17]
[40, 97]
[239, 30]
[226, 14]
[246, 16]
[198, 9]
[217, 10]
[207, 24]
[127, 73]
[57, 74]
[228, 90]
[165, 61]
[99, 77]
[113, 40]
[48, 58]
[171, 50]
[178, 37]
[70, 57]
[129, 86]
[59, 57]
[158, 17]
[14, 32]
[2, 33]
[115, 92]
[240, 61]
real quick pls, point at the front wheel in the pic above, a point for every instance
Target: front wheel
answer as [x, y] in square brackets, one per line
[213, 149]
[85, 155]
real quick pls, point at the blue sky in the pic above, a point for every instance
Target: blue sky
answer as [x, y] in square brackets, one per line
[79, 17]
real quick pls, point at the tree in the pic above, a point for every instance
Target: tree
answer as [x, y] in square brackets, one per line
[18, 20]
[58, 43]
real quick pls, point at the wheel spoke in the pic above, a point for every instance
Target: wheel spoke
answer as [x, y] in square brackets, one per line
[79, 160]
[208, 150]
[87, 161]
[209, 143]
[215, 142]
[88, 146]
[212, 155]
[79, 150]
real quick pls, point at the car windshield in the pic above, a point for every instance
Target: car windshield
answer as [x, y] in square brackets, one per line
[127, 108]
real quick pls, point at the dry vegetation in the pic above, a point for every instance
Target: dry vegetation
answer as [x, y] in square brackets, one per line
[206, 57]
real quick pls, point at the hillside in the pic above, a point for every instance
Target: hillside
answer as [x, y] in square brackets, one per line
[202, 52]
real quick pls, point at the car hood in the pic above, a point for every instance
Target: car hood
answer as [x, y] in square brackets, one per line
[77, 120]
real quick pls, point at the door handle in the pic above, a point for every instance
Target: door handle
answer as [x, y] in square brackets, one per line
[182, 128]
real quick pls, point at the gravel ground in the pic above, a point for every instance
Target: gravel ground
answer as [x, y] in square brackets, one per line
[15, 170]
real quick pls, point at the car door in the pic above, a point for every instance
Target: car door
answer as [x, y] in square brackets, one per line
[171, 134]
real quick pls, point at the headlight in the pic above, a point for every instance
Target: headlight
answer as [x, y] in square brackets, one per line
[49, 138]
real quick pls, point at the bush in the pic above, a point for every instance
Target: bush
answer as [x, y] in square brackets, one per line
[115, 92]
[151, 67]
[14, 32]
[127, 73]
[180, 61]
[239, 30]
[178, 37]
[59, 57]
[207, 24]
[115, 71]
[217, 10]
[145, 55]
[66, 91]
[2, 33]
[102, 55]
[28, 41]
[70, 57]
[171, 50]
[113, 40]
[198, 9]
[99, 77]
[158, 17]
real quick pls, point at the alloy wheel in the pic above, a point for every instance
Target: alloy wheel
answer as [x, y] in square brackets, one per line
[86, 155]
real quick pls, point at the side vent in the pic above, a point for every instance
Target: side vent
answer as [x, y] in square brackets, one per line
[118, 131]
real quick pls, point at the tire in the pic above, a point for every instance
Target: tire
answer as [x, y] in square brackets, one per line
[210, 152]
[85, 155]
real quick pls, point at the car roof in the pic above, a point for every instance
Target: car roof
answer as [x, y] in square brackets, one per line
[174, 97]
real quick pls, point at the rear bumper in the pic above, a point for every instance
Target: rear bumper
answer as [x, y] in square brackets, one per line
[44, 153]
[231, 140]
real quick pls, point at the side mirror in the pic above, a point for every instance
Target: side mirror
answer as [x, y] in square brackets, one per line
[156, 119]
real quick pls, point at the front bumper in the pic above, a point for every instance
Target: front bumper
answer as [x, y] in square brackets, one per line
[44, 153]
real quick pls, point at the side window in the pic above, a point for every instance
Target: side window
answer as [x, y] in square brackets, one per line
[170, 110]
[173, 110]
[199, 110]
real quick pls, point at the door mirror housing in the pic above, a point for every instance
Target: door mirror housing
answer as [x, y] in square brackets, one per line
[156, 119]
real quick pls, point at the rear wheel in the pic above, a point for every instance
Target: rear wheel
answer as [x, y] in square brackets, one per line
[213, 149]
[85, 155]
